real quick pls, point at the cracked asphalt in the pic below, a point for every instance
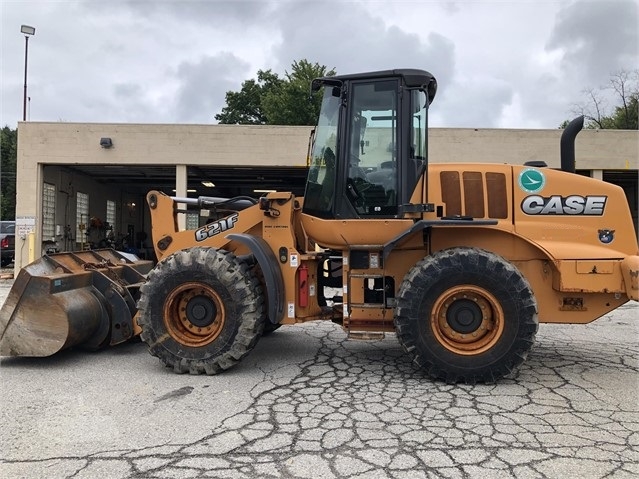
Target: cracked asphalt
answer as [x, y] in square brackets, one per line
[307, 403]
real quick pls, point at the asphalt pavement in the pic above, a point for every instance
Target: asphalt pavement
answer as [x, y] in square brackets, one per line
[307, 403]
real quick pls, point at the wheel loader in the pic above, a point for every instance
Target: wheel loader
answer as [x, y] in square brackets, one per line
[461, 261]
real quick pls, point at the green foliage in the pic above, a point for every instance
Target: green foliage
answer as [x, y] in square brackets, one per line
[8, 158]
[291, 102]
[276, 101]
[624, 116]
[245, 106]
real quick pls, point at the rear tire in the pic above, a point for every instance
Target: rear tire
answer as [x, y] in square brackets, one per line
[201, 311]
[466, 315]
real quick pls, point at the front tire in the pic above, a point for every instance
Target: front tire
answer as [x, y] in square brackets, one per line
[201, 311]
[466, 315]
[270, 328]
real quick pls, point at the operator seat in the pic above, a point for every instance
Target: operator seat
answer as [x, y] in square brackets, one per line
[386, 178]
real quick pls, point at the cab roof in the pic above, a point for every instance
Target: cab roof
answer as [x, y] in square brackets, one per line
[413, 78]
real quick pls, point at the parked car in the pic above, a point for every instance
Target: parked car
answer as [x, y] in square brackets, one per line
[7, 242]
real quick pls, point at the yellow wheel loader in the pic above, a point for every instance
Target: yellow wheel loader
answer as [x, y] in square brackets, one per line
[461, 261]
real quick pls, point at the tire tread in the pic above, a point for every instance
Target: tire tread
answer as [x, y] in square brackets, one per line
[229, 270]
[424, 275]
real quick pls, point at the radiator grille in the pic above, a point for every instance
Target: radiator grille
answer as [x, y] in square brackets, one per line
[474, 193]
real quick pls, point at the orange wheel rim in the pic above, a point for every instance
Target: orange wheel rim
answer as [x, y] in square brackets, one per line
[194, 314]
[467, 320]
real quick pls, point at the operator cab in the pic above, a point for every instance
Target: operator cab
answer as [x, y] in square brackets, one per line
[370, 144]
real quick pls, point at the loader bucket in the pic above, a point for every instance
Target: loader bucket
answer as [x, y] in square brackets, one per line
[62, 300]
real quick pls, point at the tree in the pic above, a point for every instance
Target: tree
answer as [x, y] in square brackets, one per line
[8, 158]
[624, 116]
[292, 103]
[276, 101]
[245, 106]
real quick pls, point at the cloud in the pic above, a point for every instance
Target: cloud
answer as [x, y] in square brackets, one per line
[206, 12]
[596, 38]
[473, 101]
[203, 85]
[511, 64]
[353, 40]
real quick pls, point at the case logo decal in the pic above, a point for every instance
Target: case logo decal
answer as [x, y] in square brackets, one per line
[559, 205]
[531, 180]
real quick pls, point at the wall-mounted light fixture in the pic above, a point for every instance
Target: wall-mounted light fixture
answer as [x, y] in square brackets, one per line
[106, 142]
[208, 184]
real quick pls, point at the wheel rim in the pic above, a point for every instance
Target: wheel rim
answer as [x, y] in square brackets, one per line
[467, 320]
[194, 314]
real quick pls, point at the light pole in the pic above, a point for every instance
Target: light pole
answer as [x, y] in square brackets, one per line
[27, 30]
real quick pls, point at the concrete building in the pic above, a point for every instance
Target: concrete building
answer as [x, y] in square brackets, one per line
[74, 178]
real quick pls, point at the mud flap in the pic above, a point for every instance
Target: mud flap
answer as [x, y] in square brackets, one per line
[630, 272]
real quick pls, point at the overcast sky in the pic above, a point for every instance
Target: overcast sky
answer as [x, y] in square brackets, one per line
[499, 64]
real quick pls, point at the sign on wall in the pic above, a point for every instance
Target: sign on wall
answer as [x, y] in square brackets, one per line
[25, 225]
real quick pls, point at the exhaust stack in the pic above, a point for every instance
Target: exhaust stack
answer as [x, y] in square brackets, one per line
[567, 146]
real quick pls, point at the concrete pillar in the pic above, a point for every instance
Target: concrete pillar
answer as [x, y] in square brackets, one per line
[181, 183]
[596, 174]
